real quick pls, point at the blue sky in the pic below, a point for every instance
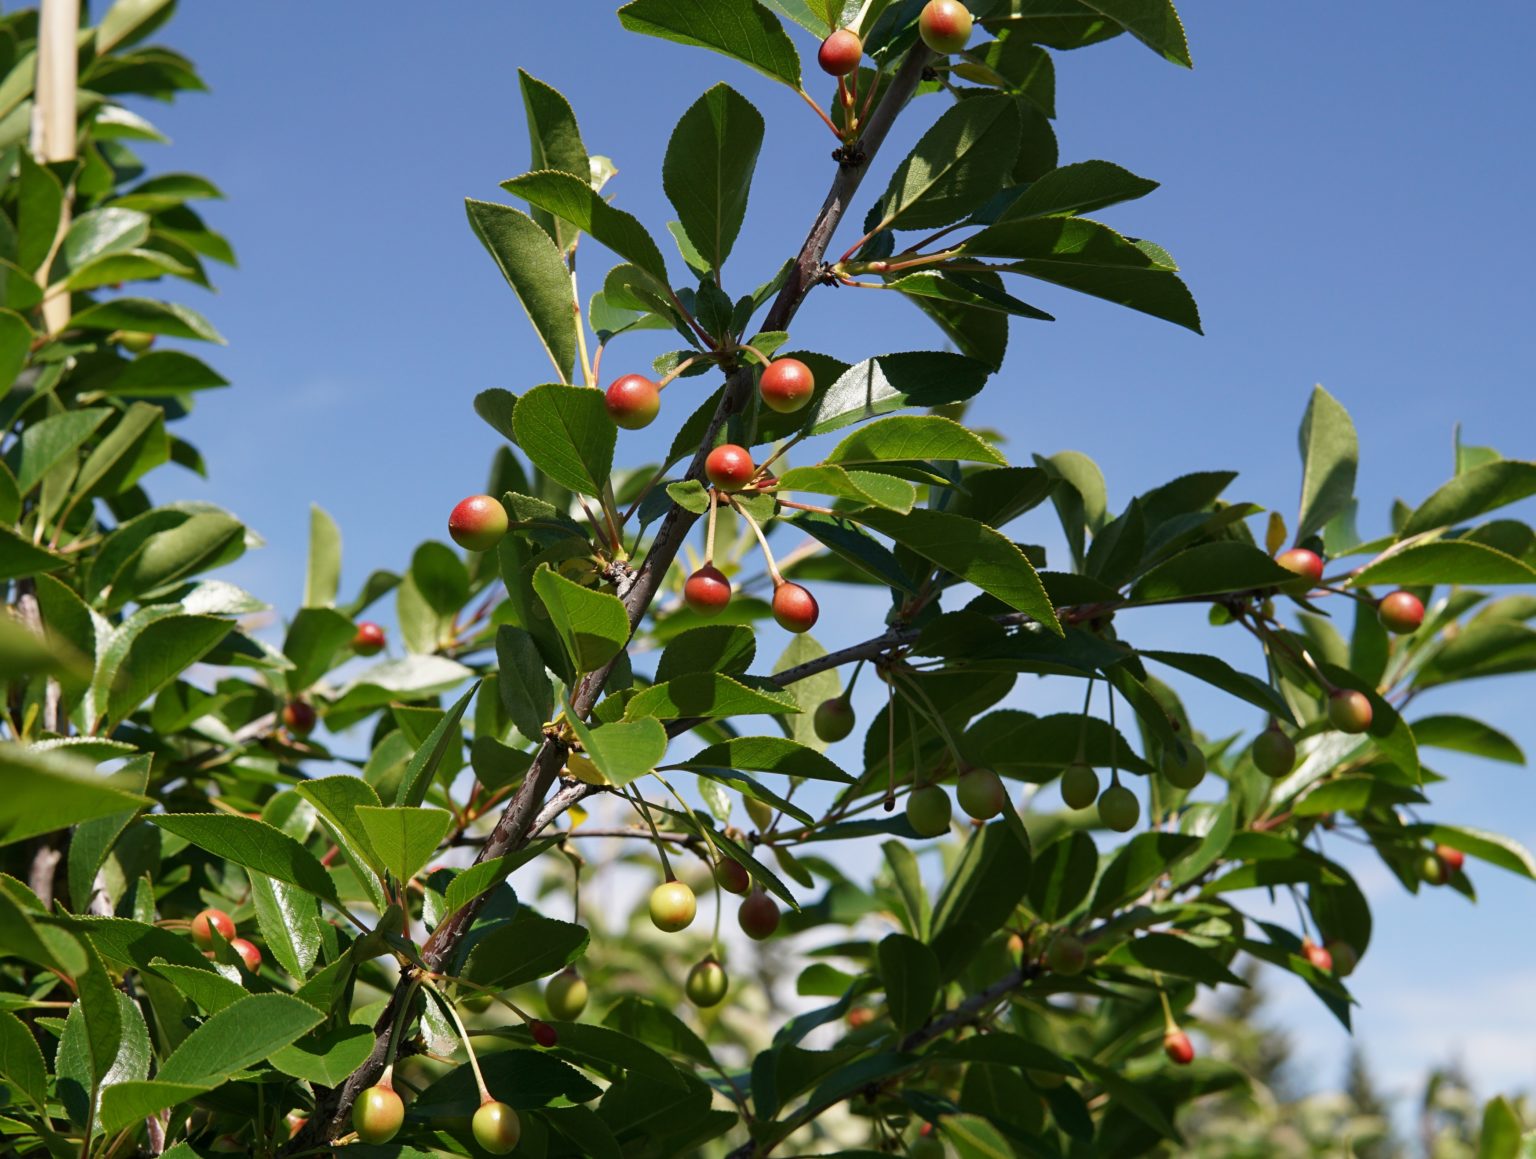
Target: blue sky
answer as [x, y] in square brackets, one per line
[1342, 189]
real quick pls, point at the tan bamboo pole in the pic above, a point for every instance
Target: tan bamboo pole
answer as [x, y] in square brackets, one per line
[53, 120]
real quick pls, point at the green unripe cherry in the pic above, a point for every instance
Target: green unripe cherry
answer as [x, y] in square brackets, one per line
[672, 906]
[1273, 753]
[928, 811]
[981, 794]
[707, 984]
[1066, 955]
[833, 720]
[1079, 786]
[565, 995]
[497, 1128]
[1119, 809]
[377, 1114]
[1183, 764]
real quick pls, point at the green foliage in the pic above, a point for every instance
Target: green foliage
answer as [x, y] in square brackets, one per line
[158, 757]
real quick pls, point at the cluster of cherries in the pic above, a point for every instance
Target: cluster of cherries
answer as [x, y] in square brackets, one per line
[209, 920]
[944, 25]
[298, 716]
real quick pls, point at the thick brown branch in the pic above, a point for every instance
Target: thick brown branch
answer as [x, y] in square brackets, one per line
[516, 825]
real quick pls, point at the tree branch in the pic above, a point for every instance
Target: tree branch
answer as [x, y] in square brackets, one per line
[523, 816]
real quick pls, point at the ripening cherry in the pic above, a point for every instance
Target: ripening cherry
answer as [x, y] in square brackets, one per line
[1349, 710]
[135, 341]
[633, 401]
[840, 53]
[1452, 859]
[1318, 956]
[833, 719]
[369, 640]
[981, 794]
[1400, 612]
[496, 1127]
[707, 591]
[299, 717]
[1119, 809]
[928, 811]
[672, 906]
[707, 983]
[1079, 786]
[543, 1033]
[732, 876]
[565, 995]
[1273, 753]
[1433, 870]
[377, 1114]
[208, 920]
[758, 916]
[1183, 764]
[729, 467]
[1176, 1045]
[1066, 954]
[249, 954]
[1306, 564]
[1345, 959]
[477, 523]
[945, 26]
[787, 383]
[794, 608]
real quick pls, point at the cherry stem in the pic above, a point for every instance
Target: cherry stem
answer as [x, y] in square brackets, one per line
[778, 454]
[762, 540]
[692, 816]
[474, 1063]
[677, 370]
[638, 801]
[854, 248]
[709, 529]
[1170, 1026]
[807, 507]
[693, 323]
[1082, 732]
[597, 361]
[758, 354]
[825, 120]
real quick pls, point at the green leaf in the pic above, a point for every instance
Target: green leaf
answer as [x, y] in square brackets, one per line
[908, 879]
[147, 317]
[22, 936]
[864, 488]
[856, 547]
[1494, 848]
[527, 948]
[15, 342]
[1502, 1132]
[484, 875]
[956, 167]
[706, 694]
[1329, 455]
[768, 754]
[988, 881]
[46, 444]
[98, 233]
[566, 432]
[337, 800]
[1080, 188]
[533, 267]
[1211, 569]
[47, 791]
[624, 750]
[527, 694]
[127, 21]
[1457, 561]
[741, 29]
[708, 169]
[402, 837]
[157, 655]
[127, 1103]
[241, 1035]
[1473, 493]
[20, 557]
[314, 638]
[909, 971]
[1465, 735]
[1062, 875]
[920, 437]
[1171, 954]
[136, 445]
[974, 552]
[1222, 675]
[890, 382]
[323, 577]
[1138, 863]
[326, 1057]
[21, 1059]
[253, 844]
[444, 737]
[1155, 23]
[593, 625]
[554, 140]
[574, 200]
[128, 1063]
[184, 546]
[725, 648]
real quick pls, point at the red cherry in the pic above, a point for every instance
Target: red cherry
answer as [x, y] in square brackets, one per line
[758, 916]
[732, 875]
[1452, 859]
[1307, 564]
[633, 401]
[945, 25]
[477, 523]
[707, 591]
[1400, 612]
[369, 640]
[1319, 956]
[787, 384]
[218, 920]
[298, 718]
[729, 467]
[249, 954]
[543, 1033]
[378, 1114]
[840, 53]
[794, 608]
[1350, 711]
[1176, 1045]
